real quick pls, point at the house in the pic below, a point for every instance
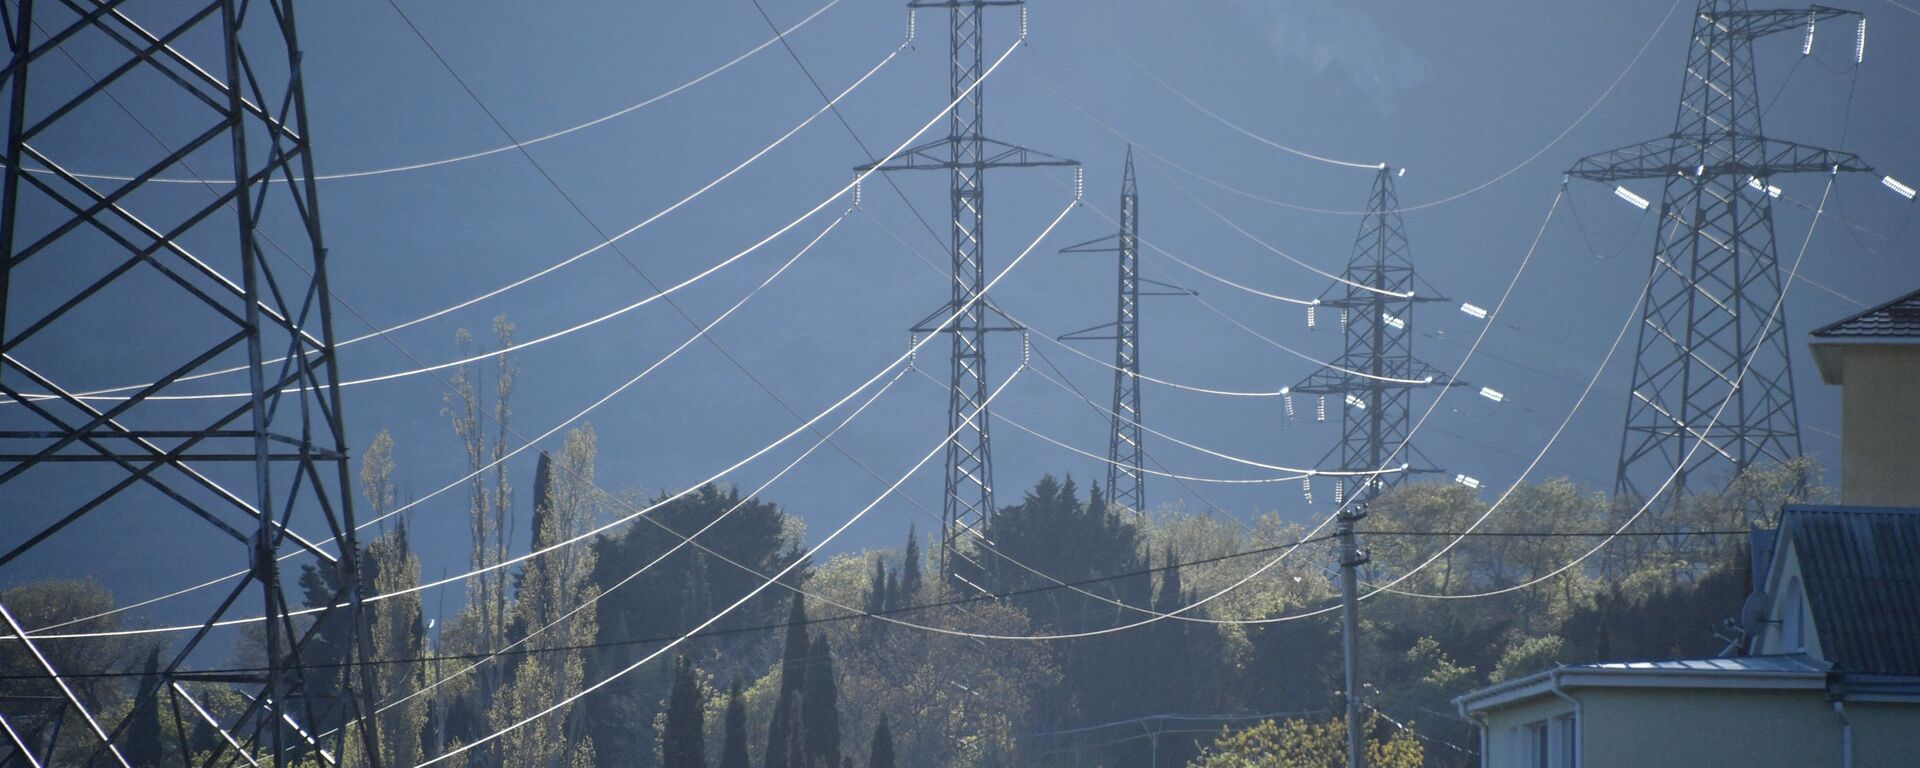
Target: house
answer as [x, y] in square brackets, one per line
[1828, 673]
[1874, 357]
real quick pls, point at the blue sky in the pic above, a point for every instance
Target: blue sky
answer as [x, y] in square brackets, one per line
[1457, 96]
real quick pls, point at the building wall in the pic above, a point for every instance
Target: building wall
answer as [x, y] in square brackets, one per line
[1506, 727]
[1685, 727]
[1638, 727]
[1880, 426]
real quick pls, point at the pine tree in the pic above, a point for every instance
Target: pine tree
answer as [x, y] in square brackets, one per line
[793, 677]
[910, 570]
[144, 742]
[820, 718]
[683, 744]
[880, 755]
[733, 748]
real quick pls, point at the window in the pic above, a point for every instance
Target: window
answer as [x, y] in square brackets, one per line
[1550, 743]
[1568, 731]
[1538, 753]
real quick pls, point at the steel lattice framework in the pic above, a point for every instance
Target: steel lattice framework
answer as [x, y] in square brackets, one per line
[148, 276]
[1710, 304]
[1375, 376]
[1126, 451]
[966, 154]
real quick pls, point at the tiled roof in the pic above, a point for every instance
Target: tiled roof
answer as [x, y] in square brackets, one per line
[1895, 319]
[1861, 571]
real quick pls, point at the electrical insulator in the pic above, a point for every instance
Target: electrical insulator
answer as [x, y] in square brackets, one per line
[1356, 402]
[1860, 42]
[1079, 173]
[1288, 397]
[1806, 49]
[1343, 320]
[1306, 488]
[856, 195]
[1310, 317]
[1322, 416]
[910, 23]
[1339, 491]
[1023, 23]
[1026, 348]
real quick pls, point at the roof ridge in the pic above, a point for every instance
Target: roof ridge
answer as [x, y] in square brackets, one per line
[1830, 328]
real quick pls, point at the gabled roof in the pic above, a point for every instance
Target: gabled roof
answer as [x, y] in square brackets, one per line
[1897, 319]
[1860, 567]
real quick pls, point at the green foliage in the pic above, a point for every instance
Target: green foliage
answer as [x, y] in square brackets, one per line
[733, 750]
[1527, 655]
[683, 742]
[1309, 744]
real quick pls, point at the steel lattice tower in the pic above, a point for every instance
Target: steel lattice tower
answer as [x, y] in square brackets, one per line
[175, 270]
[1375, 377]
[966, 154]
[1126, 451]
[1710, 301]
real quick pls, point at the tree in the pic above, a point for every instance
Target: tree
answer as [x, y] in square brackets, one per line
[1303, 744]
[556, 604]
[490, 501]
[684, 743]
[880, 755]
[144, 745]
[820, 719]
[733, 752]
[910, 569]
[793, 676]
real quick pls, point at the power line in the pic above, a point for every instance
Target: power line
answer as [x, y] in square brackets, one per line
[424, 164]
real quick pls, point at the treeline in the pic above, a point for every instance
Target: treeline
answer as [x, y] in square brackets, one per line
[1065, 632]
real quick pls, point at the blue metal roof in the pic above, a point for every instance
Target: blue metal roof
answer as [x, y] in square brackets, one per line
[1861, 570]
[1899, 318]
[1784, 663]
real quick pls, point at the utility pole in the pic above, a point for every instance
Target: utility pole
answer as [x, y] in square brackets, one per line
[1351, 558]
[966, 154]
[1126, 452]
[182, 278]
[1709, 310]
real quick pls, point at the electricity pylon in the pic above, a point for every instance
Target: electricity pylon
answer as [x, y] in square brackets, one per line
[1374, 378]
[165, 273]
[966, 154]
[1710, 305]
[1126, 451]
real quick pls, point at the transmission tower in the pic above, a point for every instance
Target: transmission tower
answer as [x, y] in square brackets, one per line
[966, 154]
[1373, 380]
[1126, 453]
[142, 276]
[1710, 301]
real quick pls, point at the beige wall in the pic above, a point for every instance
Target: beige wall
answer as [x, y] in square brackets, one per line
[1880, 426]
[1638, 727]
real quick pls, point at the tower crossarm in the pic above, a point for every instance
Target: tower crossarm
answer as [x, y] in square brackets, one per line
[1727, 155]
[937, 155]
[1760, 23]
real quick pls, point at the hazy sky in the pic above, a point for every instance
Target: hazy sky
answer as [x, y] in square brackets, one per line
[1458, 95]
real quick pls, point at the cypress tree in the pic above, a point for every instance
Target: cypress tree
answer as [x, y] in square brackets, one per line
[880, 755]
[910, 570]
[683, 743]
[143, 734]
[793, 677]
[1170, 590]
[820, 716]
[792, 747]
[733, 749]
[877, 589]
[895, 600]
